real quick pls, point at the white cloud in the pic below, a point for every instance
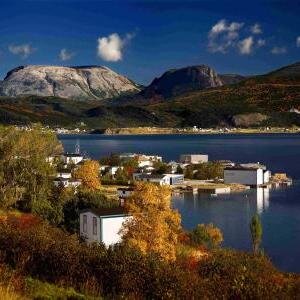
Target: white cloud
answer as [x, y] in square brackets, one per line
[65, 55]
[110, 48]
[223, 35]
[246, 45]
[298, 41]
[261, 42]
[256, 29]
[278, 50]
[23, 50]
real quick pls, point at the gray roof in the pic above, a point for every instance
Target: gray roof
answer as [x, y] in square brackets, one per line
[108, 211]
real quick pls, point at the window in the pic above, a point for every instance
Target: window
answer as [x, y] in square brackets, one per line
[94, 225]
[84, 223]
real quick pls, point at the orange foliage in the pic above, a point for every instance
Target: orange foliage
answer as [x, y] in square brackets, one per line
[88, 173]
[22, 221]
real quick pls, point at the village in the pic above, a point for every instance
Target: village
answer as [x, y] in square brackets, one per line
[120, 172]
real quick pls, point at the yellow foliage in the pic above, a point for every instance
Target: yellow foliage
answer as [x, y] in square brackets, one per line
[6, 294]
[154, 226]
[88, 173]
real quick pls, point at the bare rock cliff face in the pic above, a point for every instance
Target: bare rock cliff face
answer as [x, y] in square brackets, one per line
[177, 81]
[78, 83]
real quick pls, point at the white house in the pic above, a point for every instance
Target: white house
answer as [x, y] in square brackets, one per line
[102, 225]
[72, 158]
[66, 182]
[164, 179]
[113, 170]
[64, 174]
[193, 158]
[247, 174]
[125, 192]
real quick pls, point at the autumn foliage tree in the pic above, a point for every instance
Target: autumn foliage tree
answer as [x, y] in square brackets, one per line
[208, 235]
[154, 226]
[88, 173]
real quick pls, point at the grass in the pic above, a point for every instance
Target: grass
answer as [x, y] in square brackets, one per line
[42, 290]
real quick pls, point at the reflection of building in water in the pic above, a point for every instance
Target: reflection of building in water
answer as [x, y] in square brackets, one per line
[262, 199]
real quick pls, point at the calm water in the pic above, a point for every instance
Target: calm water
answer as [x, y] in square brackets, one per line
[279, 208]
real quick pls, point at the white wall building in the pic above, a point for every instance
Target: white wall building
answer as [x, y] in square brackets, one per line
[64, 174]
[72, 158]
[102, 225]
[125, 192]
[247, 175]
[66, 182]
[193, 158]
[164, 179]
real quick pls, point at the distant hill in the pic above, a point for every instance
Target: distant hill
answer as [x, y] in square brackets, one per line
[77, 83]
[231, 78]
[177, 81]
[292, 70]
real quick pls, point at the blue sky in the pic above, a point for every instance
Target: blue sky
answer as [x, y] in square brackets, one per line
[142, 39]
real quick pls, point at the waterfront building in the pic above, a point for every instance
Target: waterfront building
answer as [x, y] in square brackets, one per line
[247, 174]
[193, 158]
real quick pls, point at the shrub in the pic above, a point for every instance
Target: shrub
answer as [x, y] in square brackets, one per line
[207, 235]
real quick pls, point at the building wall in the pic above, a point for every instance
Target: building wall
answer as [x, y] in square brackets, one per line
[247, 177]
[267, 175]
[110, 229]
[193, 158]
[124, 193]
[89, 235]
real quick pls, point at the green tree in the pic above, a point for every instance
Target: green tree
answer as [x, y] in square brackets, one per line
[208, 235]
[25, 173]
[161, 167]
[189, 172]
[256, 233]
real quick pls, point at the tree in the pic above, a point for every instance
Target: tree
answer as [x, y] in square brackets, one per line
[88, 173]
[179, 170]
[154, 226]
[161, 167]
[256, 233]
[188, 172]
[209, 170]
[112, 160]
[25, 173]
[208, 235]
[129, 166]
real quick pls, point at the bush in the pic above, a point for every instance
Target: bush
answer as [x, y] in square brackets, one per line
[206, 235]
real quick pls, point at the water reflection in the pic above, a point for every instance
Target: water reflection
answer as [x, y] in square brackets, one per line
[262, 199]
[256, 200]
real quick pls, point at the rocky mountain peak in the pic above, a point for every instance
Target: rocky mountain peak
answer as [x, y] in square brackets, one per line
[177, 81]
[76, 82]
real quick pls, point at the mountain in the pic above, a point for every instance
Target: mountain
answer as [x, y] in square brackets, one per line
[231, 78]
[292, 70]
[177, 81]
[272, 99]
[79, 83]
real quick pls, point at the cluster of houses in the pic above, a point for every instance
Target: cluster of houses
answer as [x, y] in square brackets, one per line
[104, 225]
[64, 176]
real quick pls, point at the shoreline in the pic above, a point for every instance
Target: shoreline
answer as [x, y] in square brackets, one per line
[179, 131]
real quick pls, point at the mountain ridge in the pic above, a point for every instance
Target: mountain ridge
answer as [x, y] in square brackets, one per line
[74, 82]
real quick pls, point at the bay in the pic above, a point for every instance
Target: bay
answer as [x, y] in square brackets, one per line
[279, 208]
